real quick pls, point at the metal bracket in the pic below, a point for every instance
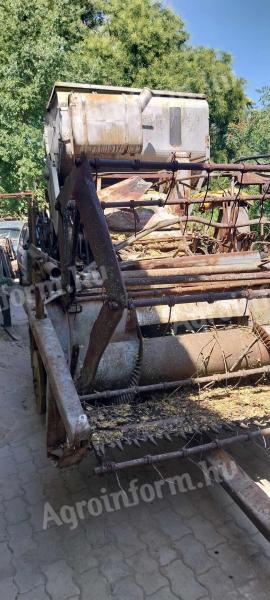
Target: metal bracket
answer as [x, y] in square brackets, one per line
[244, 491]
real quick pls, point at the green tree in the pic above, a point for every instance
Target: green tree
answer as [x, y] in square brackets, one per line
[251, 135]
[36, 38]
[101, 41]
[142, 44]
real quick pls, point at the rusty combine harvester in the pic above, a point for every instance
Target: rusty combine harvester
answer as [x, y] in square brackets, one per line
[149, 310]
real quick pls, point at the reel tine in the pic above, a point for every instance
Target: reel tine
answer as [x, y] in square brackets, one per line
[215, 428]
[119, 445]
[102, 449]
[228, 427]
[152, 439]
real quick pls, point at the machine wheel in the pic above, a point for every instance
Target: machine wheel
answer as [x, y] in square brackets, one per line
[39, 380]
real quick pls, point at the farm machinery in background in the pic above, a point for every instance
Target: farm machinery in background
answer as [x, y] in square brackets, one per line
[149, 308]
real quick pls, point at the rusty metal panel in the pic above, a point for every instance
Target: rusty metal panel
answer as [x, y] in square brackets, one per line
[130, 189]
[170, 358]
[111, 121]
[125, 220]
[177, 357]
[251, 179]
[259, 309]
[200, 313]
[105, 124]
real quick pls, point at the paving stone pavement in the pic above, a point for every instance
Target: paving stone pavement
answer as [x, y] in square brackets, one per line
[191, 546]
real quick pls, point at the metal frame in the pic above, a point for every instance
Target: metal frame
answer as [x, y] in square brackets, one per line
[243, 490]
[198, 449]
[61, 384]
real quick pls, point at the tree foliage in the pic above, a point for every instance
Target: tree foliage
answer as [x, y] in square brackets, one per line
[251, 135]
[138, 43]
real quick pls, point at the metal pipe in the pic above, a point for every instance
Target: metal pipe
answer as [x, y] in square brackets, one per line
[199, 287]
[150, 459]
[205, 297]
[213, 199]
[170, 385]
[51, 269]
[105, 164]
[252, 278]
[190, 281]
[37, 254]
[177, 290]
[254, 157]
[16, 195]
[191, 261]
[172, 279]
[194, 271]
[134, 278]
[186, 287]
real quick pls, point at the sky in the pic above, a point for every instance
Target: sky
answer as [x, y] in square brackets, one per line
[241, 27]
